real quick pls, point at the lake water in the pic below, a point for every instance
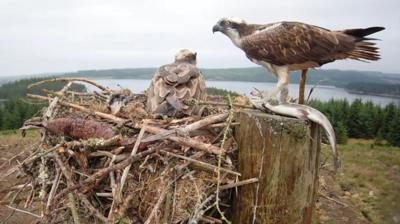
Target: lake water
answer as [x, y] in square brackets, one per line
[323, 93]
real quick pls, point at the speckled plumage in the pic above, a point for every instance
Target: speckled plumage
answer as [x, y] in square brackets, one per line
[174, 83]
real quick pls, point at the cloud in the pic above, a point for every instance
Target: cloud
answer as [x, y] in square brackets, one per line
[53, 36]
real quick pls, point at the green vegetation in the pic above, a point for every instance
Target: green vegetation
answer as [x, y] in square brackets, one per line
[371, 179]
[20, 88]
[220, 92]
[15, 109]
[362, 120]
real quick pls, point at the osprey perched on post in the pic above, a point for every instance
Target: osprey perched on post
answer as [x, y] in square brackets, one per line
[288, 46]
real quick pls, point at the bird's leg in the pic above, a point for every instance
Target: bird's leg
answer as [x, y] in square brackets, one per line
[281, 87]
[302, 85]
[284, 97]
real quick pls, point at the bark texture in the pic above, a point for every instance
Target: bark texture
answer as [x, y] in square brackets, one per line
[284, 154]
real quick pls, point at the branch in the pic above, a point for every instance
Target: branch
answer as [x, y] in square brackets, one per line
[204, 165]
[23, 211]
[238, 184]
[71, 79]
[49, 112]
[151, 129]
[133, 153]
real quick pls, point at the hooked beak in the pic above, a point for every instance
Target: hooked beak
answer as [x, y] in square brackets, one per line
[217, 28]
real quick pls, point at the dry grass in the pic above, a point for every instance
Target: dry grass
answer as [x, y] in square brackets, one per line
[371, 178]
[12, 143]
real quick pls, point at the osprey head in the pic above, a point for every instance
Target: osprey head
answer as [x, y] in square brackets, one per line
[226, 24]
[187, 56]
[231, 27]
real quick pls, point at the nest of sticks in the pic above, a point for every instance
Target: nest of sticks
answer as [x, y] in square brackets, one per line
[95, 166]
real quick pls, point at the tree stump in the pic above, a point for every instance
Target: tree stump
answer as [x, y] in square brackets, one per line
[284, 154]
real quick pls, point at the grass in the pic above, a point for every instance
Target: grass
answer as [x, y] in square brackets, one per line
[7, 134]
[371, 174]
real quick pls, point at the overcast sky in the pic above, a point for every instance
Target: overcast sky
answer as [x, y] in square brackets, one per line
[44, 36]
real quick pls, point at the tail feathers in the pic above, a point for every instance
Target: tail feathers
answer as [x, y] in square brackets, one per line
[362, 33]
[364, 50]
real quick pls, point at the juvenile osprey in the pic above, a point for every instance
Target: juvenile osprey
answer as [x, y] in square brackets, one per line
[288, 46]
[173, 83]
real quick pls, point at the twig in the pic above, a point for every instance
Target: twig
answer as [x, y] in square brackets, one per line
[197, 155]
[113, 190]
[209, 219]
[23, 211]
[189, 128]
[81, 108]
[239, 183]
[187, 141]
[229, 121]
[72, 206]
[31, 159]
[49, 112]
[158, 204]
[118, 158]
[79, 93]
[71, 198]
[53, 189]
[154, 130]
[133, 153]
[81, 196]
[215, 103]
[334, 200]
[201, 163]
[312, 89]
[71, 79]
[92, 209]
[199, 211]
[222, 125]
[94, 143]
[99, 175]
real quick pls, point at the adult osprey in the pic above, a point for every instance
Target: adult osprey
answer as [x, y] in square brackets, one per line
[287, 46]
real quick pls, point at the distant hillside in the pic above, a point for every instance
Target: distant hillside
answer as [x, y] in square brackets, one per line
[368, 82]
[354, 81]
[253, 74]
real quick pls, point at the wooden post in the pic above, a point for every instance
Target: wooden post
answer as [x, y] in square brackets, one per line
[284, 154]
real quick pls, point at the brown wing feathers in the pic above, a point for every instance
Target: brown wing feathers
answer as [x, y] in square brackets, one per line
[295, 43]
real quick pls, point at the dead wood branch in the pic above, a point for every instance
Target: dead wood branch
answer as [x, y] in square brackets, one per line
[128, 167]
[154, 130]
[81, 79]
[238, 184]
[50, 109]
[23, 211]
[204, 165]
[133, 153]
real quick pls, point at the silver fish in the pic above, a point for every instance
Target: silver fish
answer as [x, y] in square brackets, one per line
[305, 113]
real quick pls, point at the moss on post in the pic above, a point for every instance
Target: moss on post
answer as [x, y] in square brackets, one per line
[284, 154]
